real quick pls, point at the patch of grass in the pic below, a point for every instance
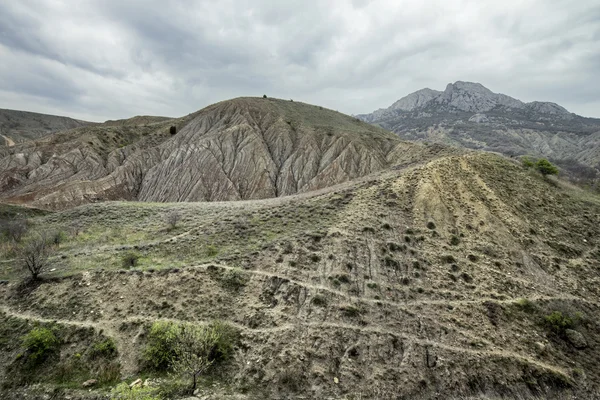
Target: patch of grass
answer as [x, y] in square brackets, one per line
[211, 250]
[130, 259]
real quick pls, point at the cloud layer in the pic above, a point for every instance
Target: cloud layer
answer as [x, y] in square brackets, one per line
[110, 59]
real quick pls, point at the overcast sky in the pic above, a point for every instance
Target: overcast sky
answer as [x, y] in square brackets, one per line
[109, 59]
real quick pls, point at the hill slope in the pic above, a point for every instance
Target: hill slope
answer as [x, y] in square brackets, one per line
[20, 126]
[245, 148]
[469, 115]
[429, 281]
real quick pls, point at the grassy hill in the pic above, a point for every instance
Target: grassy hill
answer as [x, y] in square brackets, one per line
[449, 275]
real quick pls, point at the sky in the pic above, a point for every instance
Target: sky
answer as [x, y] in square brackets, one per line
[111, 59]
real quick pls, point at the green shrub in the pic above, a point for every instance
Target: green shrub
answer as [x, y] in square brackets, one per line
[319, 301]
[130, 259]
[234, 279]
[526, 305]
[123, 392]
[559, 322]
[211, 250]
[104, 349]
[160, 347]
[164, 343]
[39, 343]
[431, 225]
[454, 240]
[527, 162]
[545, 167]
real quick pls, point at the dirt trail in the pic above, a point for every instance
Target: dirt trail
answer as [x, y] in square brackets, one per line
[127, 356]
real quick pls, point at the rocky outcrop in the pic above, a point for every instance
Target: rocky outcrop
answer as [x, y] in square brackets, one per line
[469, 115]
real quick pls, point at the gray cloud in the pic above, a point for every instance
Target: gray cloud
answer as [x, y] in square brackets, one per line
[112, 59]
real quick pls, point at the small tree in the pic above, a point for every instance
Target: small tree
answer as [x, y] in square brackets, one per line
[264, 96]
[194, 348]
[35, 254]
[172, 218]
[15, 229]
[545, 167]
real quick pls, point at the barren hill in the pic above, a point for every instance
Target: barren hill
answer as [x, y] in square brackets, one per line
[469, 115]
[20, 126]
[464, 275]
[245, 148]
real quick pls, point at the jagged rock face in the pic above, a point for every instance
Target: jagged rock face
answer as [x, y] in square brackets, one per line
[469, 115]
[19, 126]
[235, 150]
[467, 96]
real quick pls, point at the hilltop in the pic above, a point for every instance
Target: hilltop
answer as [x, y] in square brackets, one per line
[245, 148]
[469, 115]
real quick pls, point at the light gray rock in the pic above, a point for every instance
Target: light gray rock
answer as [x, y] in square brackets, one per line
[479, 118]
[576, 339]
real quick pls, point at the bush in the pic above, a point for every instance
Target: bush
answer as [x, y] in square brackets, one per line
[211, 250]
[160, 348]
[264, 96]
[559, 322]
[527, 162]
[35, 254]
[545, 167]
[56, 237]
[164, 343]
[234, 279]
[39, 343]
[172, 218]
[130, 259]
[105, 349]
[431, 225]
[14, 229]
[123, 392]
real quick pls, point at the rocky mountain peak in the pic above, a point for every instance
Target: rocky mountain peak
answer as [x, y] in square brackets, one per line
[474, 97]
[415, 100]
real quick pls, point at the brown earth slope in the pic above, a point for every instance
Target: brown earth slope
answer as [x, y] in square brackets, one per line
[245, 148]
[431, 281]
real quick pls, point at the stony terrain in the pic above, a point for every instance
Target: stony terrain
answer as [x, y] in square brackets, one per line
[469, 115]
[245, 148]
[22, 126]
[432, 280]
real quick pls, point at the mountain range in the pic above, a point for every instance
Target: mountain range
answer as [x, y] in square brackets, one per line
[469, 115]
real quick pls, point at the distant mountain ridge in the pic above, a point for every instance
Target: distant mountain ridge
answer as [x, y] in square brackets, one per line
[468, 114]
[19, 126]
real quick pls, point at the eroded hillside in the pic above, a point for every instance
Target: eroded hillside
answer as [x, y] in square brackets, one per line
[431, 281]
[240, 149]
[23, 126]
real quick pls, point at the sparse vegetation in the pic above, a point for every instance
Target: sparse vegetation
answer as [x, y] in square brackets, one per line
[35, 254]
[130, 259]
[123, 392]
[559, 322]
[172, 218]
[39, 343]
[545, 167]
